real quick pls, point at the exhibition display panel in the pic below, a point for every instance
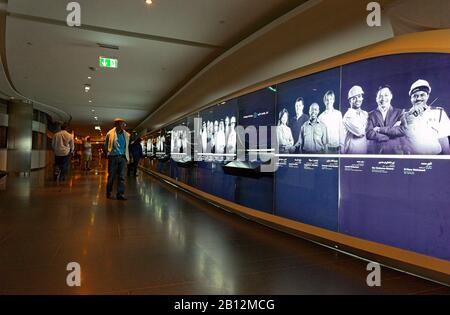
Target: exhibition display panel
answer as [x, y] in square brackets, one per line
[361, 149]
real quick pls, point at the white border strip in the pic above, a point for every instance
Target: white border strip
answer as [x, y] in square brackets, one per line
[261, 150]
[215, 154]
[367, 156]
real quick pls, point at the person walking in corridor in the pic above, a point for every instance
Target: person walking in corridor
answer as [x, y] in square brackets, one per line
[87, 153]
[136, 155]
[63, 146]
[116, 147]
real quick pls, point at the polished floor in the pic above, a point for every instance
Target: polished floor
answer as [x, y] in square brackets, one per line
[161, 241]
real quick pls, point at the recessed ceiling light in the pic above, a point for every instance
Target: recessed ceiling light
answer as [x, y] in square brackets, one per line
[89, 78]
[90, 101]
[96, 118]
[93, 110]
[148, 1]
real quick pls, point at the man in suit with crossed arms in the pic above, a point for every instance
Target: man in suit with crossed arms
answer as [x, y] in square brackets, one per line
[386, 125]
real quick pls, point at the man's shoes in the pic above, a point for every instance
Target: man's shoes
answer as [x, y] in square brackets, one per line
[108, 195]
[121, 197]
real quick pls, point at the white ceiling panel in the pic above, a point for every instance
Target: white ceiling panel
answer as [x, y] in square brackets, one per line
[161, 47]
[50, 64]
[207, 21]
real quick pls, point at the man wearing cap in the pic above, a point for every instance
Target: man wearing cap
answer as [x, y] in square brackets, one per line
[355, 123]
[428, 128]
[386, 125]
[117, 146]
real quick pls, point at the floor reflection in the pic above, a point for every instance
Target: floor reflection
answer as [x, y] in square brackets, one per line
[159, 241]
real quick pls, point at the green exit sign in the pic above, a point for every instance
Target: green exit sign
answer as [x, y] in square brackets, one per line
[108, 62]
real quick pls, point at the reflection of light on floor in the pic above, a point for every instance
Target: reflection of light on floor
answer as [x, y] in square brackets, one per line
[213, 272]
[22, 187]
[158, 213]
[176, 232]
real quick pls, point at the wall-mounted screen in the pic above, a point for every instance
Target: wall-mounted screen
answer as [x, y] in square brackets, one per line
[363, 149]
[217, 135]
[180, 144]
[309, 120]
[144, 147]
[309, 123]
[257, 110]
[150, 145]
[162, 145]
[399, 196]
[397, 105]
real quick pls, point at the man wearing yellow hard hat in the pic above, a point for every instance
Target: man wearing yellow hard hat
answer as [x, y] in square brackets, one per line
[116, 147]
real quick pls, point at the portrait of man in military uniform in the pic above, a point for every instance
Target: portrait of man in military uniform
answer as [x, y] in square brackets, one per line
[428, 127]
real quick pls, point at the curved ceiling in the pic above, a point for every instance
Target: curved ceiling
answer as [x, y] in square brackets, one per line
[160, 47]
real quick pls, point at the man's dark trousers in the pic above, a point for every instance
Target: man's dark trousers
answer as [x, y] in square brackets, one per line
[117, 166]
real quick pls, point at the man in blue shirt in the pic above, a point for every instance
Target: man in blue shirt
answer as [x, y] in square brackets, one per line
[116, 147]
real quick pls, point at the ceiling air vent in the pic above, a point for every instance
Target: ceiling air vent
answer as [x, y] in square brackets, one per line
[108, 46]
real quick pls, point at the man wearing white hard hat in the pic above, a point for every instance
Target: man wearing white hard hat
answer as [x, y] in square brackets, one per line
[116, 145]
[428, 127]
[355, 123]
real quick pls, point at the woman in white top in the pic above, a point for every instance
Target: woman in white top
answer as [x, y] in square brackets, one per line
[284, 133]
[87, 153]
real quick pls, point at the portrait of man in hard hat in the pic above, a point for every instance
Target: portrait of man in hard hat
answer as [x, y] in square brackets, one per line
[428, 127]
[355, 123]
